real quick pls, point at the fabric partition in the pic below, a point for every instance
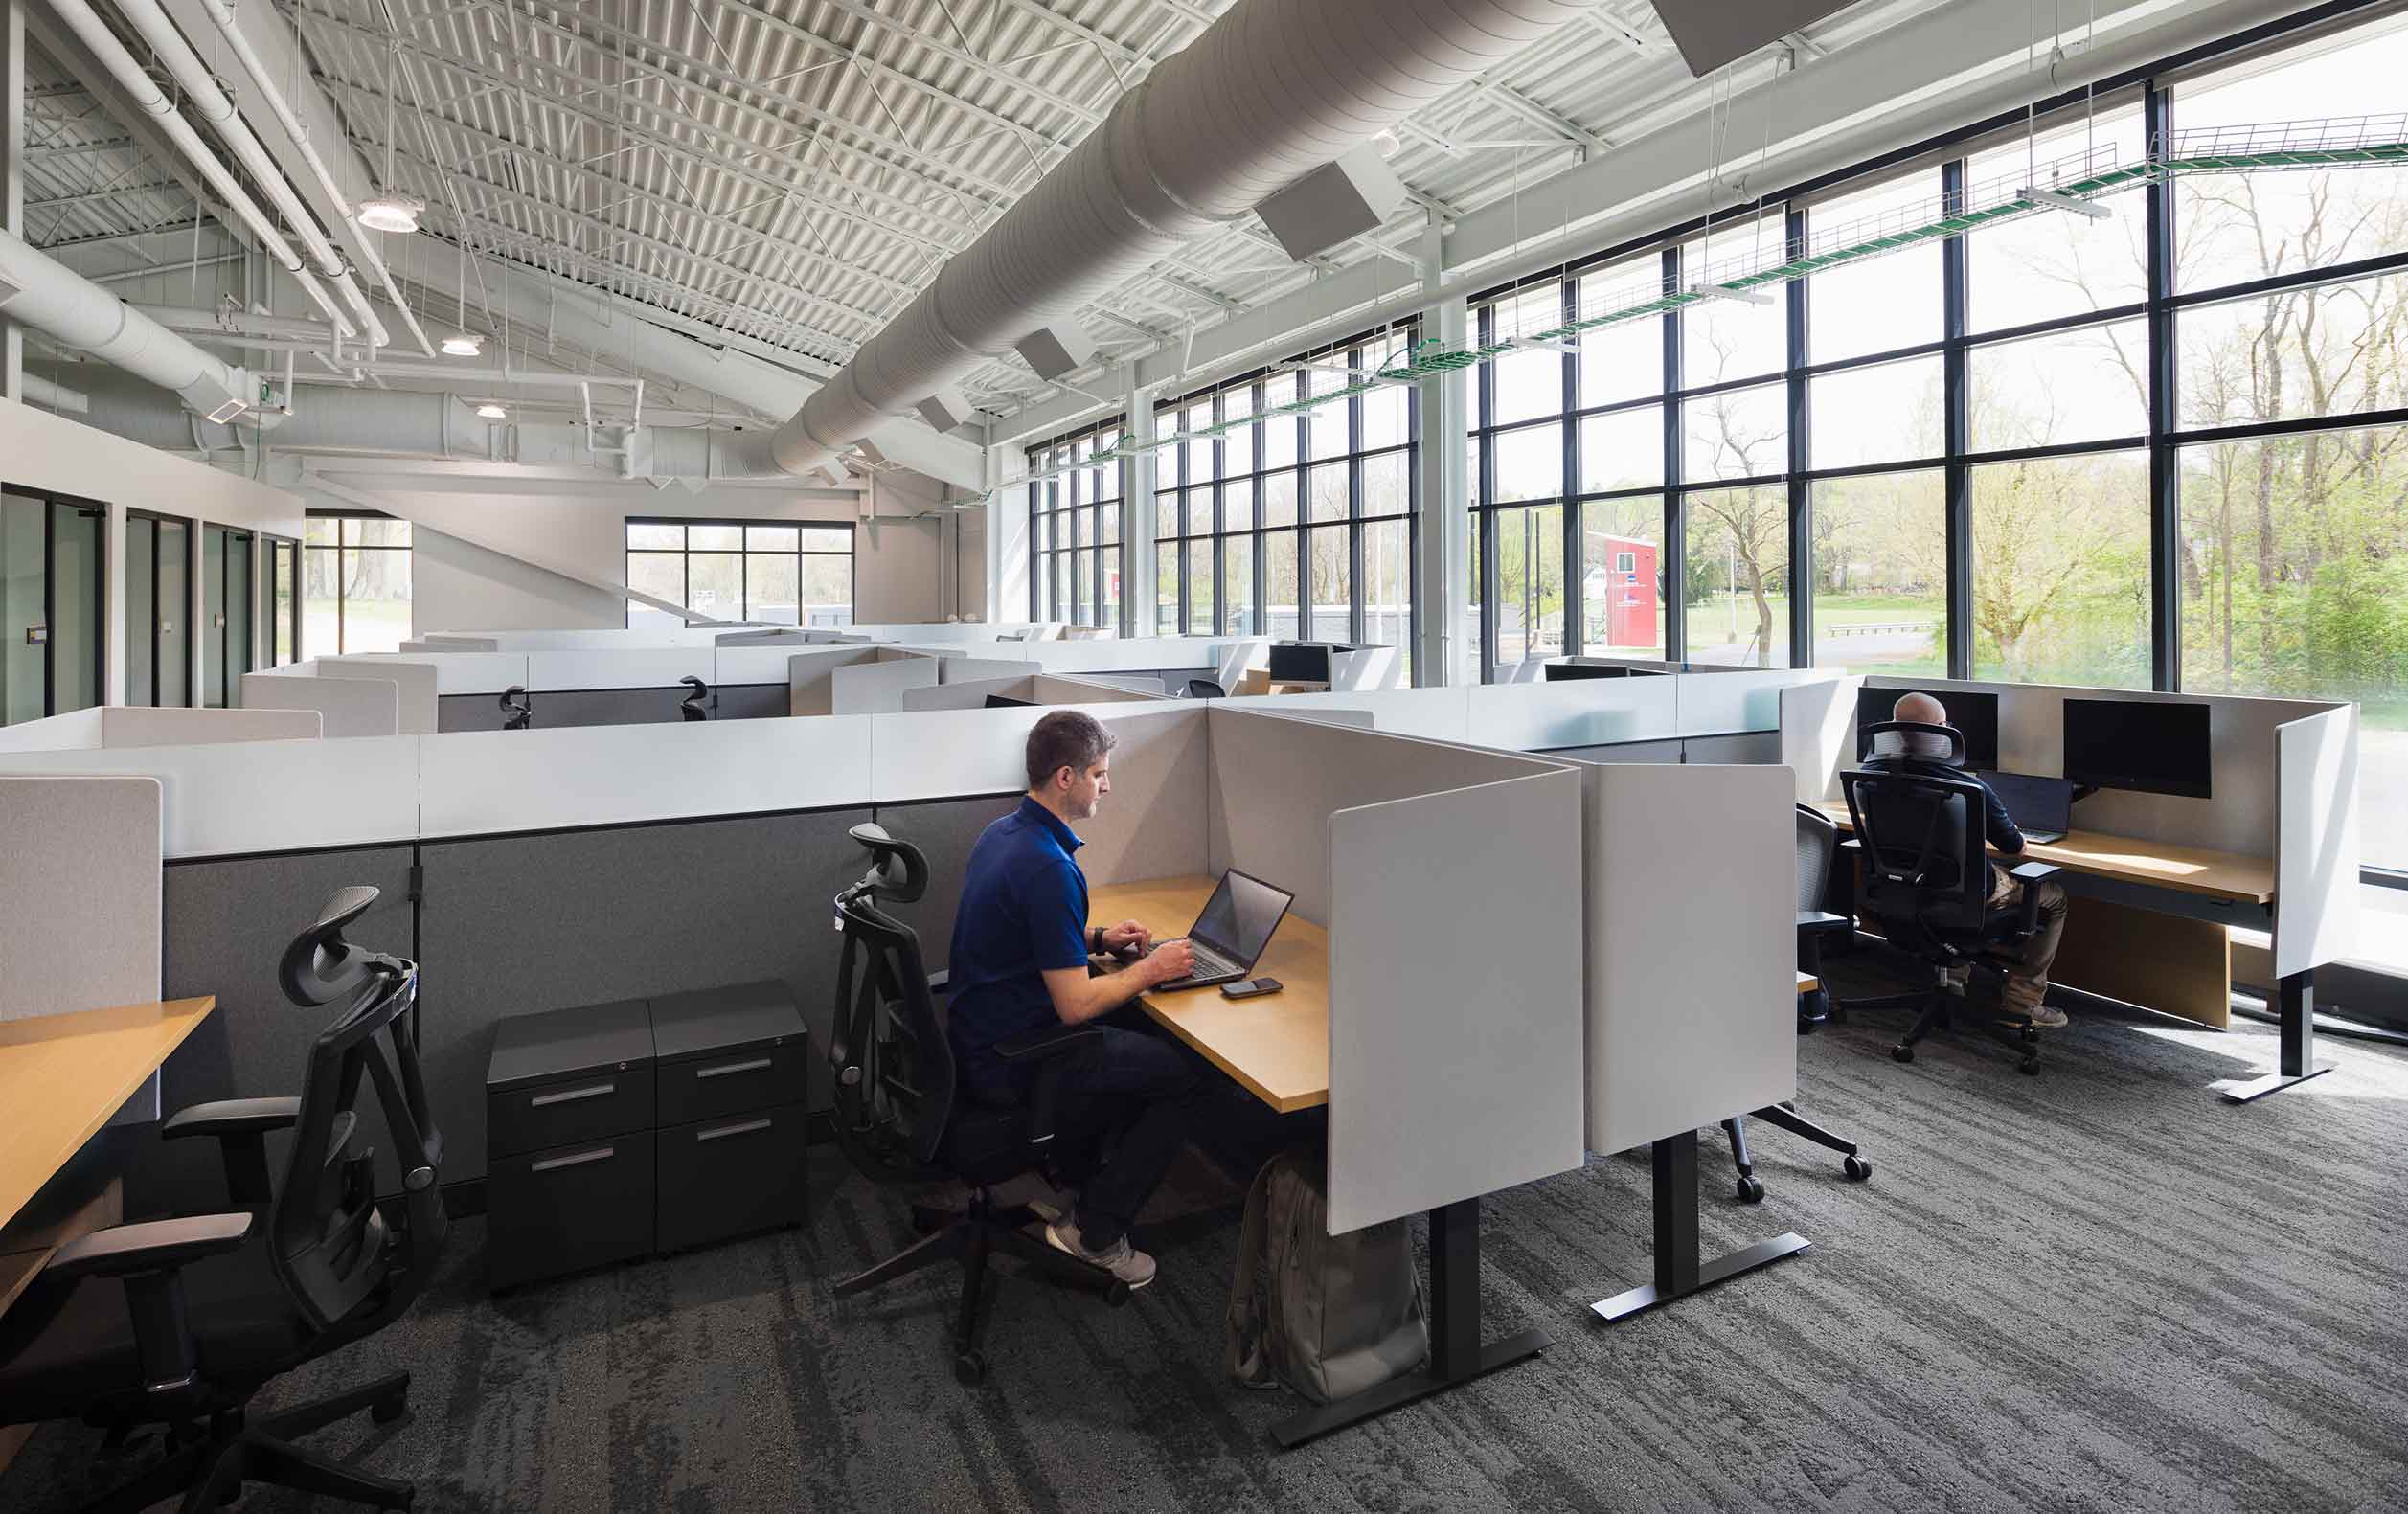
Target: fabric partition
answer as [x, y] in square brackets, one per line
[1532, 718]
[346, 706]
[955, 669]
[475, 782]
[1049, 689]
[1434, 714]
[633, 668]
[76, 731]
[1358, 720]
[1367, 667]
[243, 797]
[79, 894]
[969, 695]
[1690, 891]
[753, 662]
[876, 688]
[1454, 1072]
[417, 681]
[127, 726]
[809, 689]
[438, 641]
[2316, 887]
[1735, 700]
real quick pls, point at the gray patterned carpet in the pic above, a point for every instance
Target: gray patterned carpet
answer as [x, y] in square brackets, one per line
[2102, 1289]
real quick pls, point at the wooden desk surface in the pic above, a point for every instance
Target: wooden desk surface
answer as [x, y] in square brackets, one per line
[1807, 982]
[62, 1078]
[2190, 870]
[1278, 1046]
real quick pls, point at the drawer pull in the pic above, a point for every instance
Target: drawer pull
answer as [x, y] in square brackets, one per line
[747, 1127]
[571, 1095]
[599, 1154]
[725, 1067]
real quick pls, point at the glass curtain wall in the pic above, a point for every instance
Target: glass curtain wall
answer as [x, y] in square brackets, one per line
[52, 605]
[1076, 559]
[157, 627]
[229, 613]
[283, 604]
[1296, 525]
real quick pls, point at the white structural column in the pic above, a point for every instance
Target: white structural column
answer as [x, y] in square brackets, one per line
[1007, 544]
[1444, 636]
[1137, 505]
[13, 178]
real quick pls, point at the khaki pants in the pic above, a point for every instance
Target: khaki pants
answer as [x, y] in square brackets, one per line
[2028, 965]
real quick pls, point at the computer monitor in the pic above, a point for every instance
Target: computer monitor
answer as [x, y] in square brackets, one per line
[1974, 715]
[1006, 702]
[1565, 672]
[1300, 663]
[2149, 745]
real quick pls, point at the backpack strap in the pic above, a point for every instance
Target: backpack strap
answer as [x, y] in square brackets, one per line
[1248, 1362]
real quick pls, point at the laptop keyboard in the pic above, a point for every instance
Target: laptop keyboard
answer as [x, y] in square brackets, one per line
[1210, 963]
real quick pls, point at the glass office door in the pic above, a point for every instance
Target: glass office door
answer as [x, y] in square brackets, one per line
[283, 604]
[158, 621]
[229, 611]
[52, 636]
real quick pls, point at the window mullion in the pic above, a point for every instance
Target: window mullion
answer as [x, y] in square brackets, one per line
[2165, 472]
[1801, 495]
[1956, 425]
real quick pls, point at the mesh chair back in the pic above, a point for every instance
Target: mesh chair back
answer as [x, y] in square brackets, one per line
[347, 1263]
[1818, 841]
[895, 1077]
[1925, 839]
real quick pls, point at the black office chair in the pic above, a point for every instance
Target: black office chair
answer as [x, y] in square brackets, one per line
[1206, 689]
[902, 1117]
[181, 1322]
[1817, 843]
[1924, 844]
[695, 706]
[517, 714]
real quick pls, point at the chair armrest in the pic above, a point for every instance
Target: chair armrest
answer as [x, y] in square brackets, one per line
[1811, 920]
[941, 982]
[1043, 1050]
[2032, 874]
[151, 1246]
[231, 1116]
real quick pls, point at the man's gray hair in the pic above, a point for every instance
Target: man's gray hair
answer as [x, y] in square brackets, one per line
[1065, 738]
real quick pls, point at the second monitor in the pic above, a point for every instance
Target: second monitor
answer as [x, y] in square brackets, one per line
[1300, 663]
[1974, 715]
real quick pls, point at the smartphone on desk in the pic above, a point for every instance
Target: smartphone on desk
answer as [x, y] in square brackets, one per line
[1251, 991]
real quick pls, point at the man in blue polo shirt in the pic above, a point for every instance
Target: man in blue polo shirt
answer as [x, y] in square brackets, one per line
[1019, 963]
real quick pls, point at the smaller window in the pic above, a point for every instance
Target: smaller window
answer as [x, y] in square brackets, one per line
[1625, 562]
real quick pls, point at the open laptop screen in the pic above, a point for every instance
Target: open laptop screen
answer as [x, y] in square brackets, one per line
[1240, 917]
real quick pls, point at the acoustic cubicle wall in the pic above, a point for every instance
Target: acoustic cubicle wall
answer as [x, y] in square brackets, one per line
[531, 893]
[79, 894]
[346, 706]
[115, 727]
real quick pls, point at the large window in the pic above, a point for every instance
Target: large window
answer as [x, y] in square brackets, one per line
[52, 612]
[1295, 523]
[356, 584]
[771, 572]
[1075, 555]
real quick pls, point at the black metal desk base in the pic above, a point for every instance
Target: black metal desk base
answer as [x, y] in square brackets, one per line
[2299, 1064]
[1678, 1272]
[1456, 1354]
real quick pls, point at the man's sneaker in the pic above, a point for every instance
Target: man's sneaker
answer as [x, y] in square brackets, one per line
[2047, 1017]
[1123, 1260]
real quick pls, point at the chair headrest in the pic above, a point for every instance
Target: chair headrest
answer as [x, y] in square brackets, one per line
[1914, 738]
[320, 967]
[899, 870]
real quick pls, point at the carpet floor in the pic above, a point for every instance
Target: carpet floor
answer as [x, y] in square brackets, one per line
[2100, 1289]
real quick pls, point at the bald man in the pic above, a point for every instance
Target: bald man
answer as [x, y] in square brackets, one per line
[2027, 966]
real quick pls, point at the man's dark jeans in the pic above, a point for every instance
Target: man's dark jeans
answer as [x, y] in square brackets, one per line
[1134, 1083]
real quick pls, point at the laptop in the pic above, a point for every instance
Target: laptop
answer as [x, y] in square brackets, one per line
[2042, 807]
[1230, 936]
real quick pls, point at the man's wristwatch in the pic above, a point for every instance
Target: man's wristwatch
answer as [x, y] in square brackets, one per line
[1095, 940]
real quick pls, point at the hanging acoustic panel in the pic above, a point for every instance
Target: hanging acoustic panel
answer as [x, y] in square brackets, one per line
[1712, 33]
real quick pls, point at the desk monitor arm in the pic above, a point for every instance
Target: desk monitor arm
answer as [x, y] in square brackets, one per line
[518, 714]
[695, 706]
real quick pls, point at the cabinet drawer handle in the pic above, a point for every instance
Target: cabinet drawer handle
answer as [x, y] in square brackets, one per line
[599, 1154]
[747, 1127]
[725, 1067]
[568, 1094]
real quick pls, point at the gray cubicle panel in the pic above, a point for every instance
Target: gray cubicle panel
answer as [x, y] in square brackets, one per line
[1756, 748]
[227, 923]
[749, 702]
[514, 924]
[945, 830]
[79, 913]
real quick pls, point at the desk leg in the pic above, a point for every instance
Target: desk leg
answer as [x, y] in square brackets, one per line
[2299, 1064]
[1456, 1354]
[1678, 1270]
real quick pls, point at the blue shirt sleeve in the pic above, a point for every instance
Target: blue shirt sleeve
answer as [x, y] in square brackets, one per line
[1056, 900]
[2004, 835]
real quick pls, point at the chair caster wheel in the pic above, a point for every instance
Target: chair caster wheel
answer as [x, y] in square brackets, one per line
[1857, 1170]
[2028, 1067]
[969, 1369]
[2031, 1036]
[385, 1411]
[1750, 1190]
[1902, 1053]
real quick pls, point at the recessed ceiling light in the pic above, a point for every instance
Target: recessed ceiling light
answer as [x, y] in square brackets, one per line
[390, 213]
[461, 345]
[492, 412]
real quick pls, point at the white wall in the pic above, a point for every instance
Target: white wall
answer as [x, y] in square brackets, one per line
[462, 580]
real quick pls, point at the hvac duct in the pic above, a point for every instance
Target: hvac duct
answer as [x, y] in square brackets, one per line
[137, 82]
[79, 313]
[1269, 91]
[40, 390]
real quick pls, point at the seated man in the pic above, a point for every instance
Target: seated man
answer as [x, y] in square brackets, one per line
[2028, 969]
[1019, 963]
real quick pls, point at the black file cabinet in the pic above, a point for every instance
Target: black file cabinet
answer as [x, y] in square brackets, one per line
[618, 1130]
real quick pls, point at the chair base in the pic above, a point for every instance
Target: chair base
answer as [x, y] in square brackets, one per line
[210, 1469]
[1751, 1188]
[1937, 1010]
[972, 1237]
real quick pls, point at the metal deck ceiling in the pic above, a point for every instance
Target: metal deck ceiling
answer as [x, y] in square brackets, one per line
[794, 172]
